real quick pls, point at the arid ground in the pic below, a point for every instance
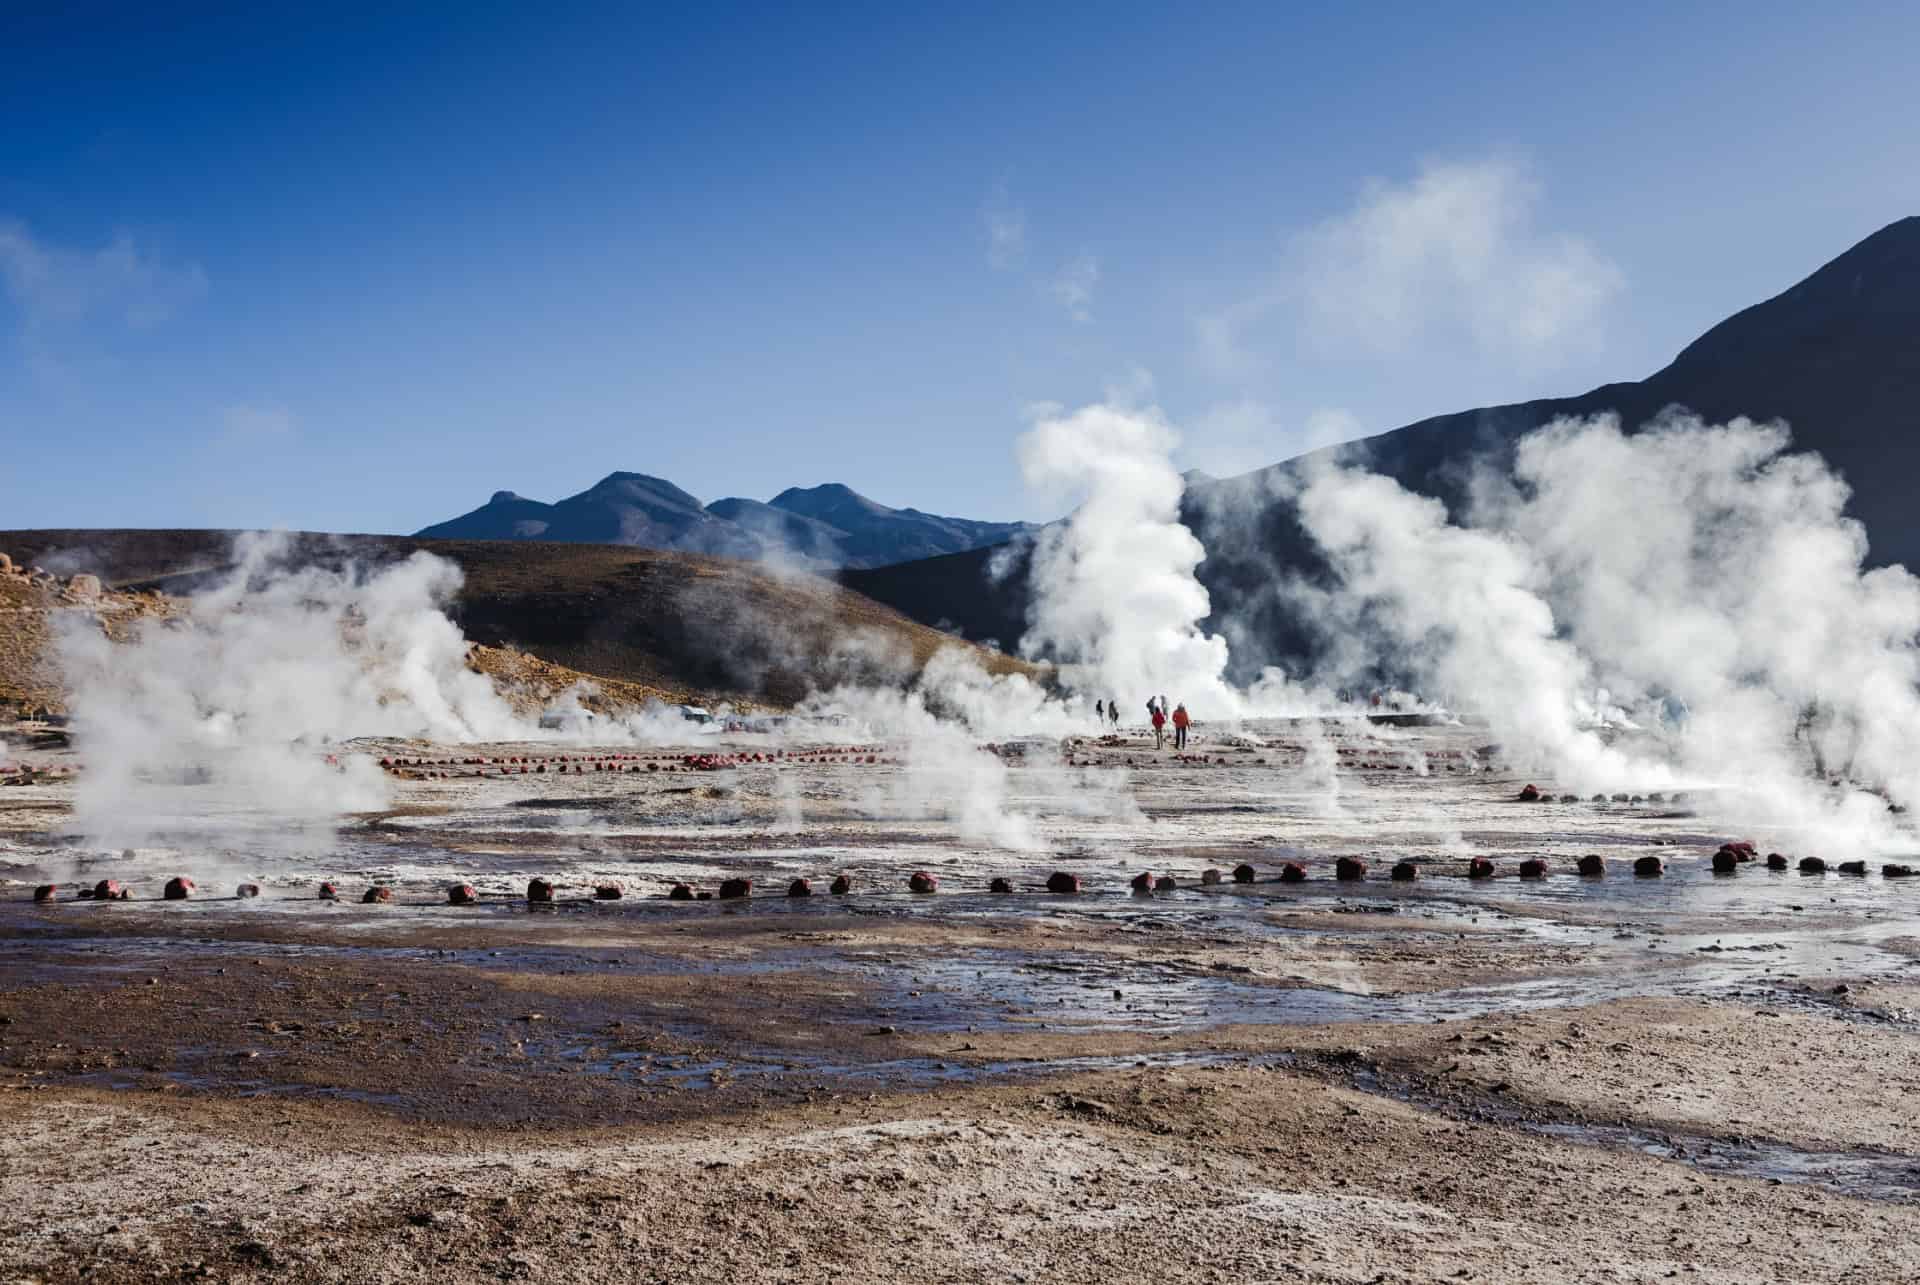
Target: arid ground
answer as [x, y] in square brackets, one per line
[1694, 1076]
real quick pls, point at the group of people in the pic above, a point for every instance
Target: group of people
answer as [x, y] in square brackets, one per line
[1108, 711]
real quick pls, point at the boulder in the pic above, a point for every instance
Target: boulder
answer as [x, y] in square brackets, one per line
[1243, 873]
[922, 882]
[1349, 869]
[539, 892]
[841, 885]
[247, 890]
[1776, 862]
[999, 885]
[1892, 870]
[1143, 882]
[735, 889]
[1592, 864]
[46, 892]
[1812, 866]
[680, 892]
[1533, 868]
[461, 894]
[1405, 872]
[329, 893]
[1164, 883]
[178, 888]
[1480, 868]
[1530, 794]
[608, 892]
[1062, 884]
[1648, 867]
[1852, 867]
[1569, 798]
[800, 888]
[1726, 861]
[1210, 876]
[1291, 872]
[377, 893]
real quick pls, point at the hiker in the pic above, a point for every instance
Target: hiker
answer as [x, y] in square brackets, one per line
[1113, 712]
[1099, 711]
[1180, 721]
[1159, 726]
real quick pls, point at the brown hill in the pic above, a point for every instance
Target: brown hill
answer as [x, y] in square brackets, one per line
[686, 626]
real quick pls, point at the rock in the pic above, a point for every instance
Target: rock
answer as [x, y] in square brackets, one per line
[1852, 867]
[1892, 870]
[841, 885]
[1143, 882]
[608, 892]
[1812, 866]
[922, 882]
[1726, 861]
[1776, 862]
[46, 892]
[1648, 867]
[1210, 876]
[6, 565]
[329, 893]
[1533, 868]
[539, 892]
[377, 893]
[800, 888]
[84, 587]
[1349, 869]
[1243, 873]
[1062, 884]
[1479, 868]
[1405, 872]
[178, 888]
[1530, 794]
[247, 890]
[461, 894]
[1291, 872]
[999, 885]
[1598, 798]
[1592, 864]
[1165, 883]
[735, 889]
[109, 890]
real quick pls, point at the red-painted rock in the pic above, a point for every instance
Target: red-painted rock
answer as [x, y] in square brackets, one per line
[1291, 872]
[800, 888]
[247, 890]
[1479, 868]
[1649, 867]
[922, 882]
[1405, 872]
[680, 892]
[1530, 794]
[1210, 876]
[841, 885]
[329, 893]
[1165, 883]
[1533, 868]
[1062, 884]
[1143, 882]
[1775, 861]
[461, 894]
[539, 892]
[1243, 873]
[178, 888]
[999, 885]
[1349, 869]
[608, 892]
[1812, 866]
[1592, 864]
[375, 894]
[46, 892]
[735, 889]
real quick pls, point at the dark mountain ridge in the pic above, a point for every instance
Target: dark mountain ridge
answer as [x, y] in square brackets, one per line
[1837, 356]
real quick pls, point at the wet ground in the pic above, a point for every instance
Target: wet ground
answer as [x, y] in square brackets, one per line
[1753, 1030]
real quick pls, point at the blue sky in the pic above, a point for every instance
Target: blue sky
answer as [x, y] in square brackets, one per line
[354, 271]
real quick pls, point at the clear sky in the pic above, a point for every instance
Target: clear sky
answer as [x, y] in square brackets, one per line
[339, 270]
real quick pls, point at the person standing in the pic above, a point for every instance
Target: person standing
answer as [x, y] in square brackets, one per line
[1180, 721]
[1099, 711]
[1159, 726]
[1113, 712]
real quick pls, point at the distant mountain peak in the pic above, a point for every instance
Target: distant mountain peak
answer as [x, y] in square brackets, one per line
[503, 497]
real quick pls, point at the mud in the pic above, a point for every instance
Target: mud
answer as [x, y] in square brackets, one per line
[1698, 1076]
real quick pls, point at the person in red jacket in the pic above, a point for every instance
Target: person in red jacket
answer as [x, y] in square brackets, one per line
[1159, 727]
[1180, 721]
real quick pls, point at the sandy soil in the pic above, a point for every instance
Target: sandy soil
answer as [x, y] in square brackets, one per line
[1682, 1078]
